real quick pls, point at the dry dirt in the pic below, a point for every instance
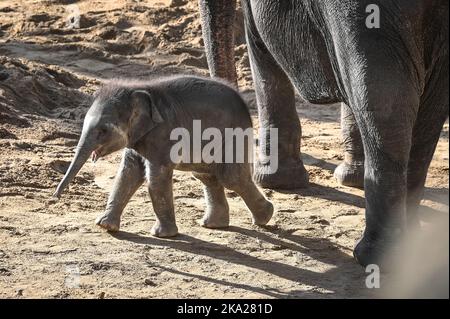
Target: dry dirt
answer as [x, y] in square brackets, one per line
[47, 73]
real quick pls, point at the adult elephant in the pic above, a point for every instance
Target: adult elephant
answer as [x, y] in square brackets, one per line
[392, 79]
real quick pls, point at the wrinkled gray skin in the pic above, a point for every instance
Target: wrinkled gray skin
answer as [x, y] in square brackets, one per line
[140, 117]
[393, 81]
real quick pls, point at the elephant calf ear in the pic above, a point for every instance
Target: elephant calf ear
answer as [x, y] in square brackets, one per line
[144, 116]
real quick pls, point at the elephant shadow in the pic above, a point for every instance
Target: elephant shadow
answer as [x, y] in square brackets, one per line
[344, 278]
[318, 162]
[320, 191]
[329, 193]
[437, 195]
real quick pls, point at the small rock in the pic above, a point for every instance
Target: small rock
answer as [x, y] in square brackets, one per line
[19, 292]
[39, 17]
[286, 210]
[6, 9]
[188, 279]
[149, 282]
[269, 193]
[99, 266]
[177, 3]
[22, 145]
[232, 194]
[101, 295]
[107, 33]
[192, 195]
[60, 166]
[51, 201]
[5, 272]
[322, 222]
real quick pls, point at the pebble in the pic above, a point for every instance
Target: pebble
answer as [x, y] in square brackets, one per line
[149, 282]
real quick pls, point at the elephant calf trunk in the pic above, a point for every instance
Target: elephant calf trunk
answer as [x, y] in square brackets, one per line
[81, 156]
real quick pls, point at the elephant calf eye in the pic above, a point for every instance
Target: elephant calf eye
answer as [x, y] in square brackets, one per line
[102, 131]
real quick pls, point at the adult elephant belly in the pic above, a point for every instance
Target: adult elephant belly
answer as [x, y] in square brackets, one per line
[298, 47]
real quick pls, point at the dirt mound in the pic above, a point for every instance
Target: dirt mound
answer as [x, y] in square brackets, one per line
[120, 29]
[29, 88]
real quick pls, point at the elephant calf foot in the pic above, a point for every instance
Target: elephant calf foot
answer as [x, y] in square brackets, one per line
[351, 175]
[108, 222]
[216, 217]
[285, 177]
[164, 229]
[262, 215]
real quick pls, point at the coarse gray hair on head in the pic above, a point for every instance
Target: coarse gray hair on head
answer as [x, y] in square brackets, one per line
[120, 89]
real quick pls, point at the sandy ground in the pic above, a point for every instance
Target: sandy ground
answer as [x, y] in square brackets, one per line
[48, 70]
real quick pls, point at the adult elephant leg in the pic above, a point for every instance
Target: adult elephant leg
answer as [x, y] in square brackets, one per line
[422, 150]
[431, 117]
[386, 136]
[276, 110]
[129, 177]
[384, 96]
[351, 171]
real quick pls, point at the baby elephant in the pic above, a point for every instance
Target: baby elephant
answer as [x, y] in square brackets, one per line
[142, 118]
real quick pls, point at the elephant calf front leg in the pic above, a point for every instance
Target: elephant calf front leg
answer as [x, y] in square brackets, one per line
[129, 178]
[160, 189]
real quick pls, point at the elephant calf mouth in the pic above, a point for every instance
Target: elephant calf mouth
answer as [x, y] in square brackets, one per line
[95, 156]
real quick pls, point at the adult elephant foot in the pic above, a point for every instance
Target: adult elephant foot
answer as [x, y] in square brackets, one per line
[382, 252]
[350, 174]
[368, 252]
[290, 175]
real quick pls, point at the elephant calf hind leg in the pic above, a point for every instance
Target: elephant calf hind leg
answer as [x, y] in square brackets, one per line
[217, 210]
[259, 206]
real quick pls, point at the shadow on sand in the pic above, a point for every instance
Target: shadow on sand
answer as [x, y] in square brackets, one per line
[342, 278]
